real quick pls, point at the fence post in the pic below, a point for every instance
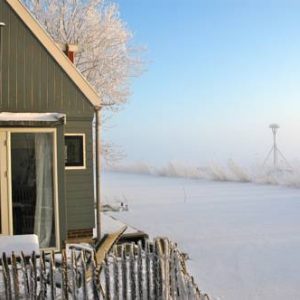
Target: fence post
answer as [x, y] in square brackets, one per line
[95, 277]
[64, 276]
[158, 271]
[51, 276]
[25, 275]
[33, 276]
[43, 277]
[83, 270]
[6, 276]
[15, 276]
[150, 269]
[128, 281]
[73, 274]
[173, 281]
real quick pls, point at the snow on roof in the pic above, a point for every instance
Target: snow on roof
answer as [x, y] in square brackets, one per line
[42, 117]
[110, 224]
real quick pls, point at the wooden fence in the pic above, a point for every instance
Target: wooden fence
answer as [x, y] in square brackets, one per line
[153, 270]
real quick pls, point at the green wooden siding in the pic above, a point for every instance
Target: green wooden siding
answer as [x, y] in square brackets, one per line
[79, 183]
[32, 81]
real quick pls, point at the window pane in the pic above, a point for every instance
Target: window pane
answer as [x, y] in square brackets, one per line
[74, 151]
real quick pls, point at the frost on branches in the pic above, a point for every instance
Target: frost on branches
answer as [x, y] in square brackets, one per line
[105, 56]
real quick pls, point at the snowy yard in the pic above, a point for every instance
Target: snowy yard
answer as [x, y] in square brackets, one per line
[243, 239]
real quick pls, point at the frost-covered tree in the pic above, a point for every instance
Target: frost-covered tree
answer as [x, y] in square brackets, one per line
[105, 56]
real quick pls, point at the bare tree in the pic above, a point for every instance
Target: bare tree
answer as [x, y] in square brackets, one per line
[105, 56]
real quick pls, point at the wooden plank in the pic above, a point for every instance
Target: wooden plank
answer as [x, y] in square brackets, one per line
[118, 270]
[109, 241]
[150, 269]
[95, 279]
[107, 245]
[6, 276]
[64, 276]
[43, 277]
[107, 280]
[51, 276]
[83, 274]
[33, 276]
[15, 276]
[73, 274]
[20, 62]
[127, 273]
[25, 275]
[143, 271]
[13, 62]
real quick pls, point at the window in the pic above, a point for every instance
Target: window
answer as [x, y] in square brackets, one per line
[75, 151]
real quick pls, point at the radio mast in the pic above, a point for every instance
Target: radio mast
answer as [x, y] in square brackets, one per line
[275, 152]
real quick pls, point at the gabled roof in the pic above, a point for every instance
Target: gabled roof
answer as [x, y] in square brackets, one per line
[58, 55]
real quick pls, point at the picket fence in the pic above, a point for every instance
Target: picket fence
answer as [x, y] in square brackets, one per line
[150, 270]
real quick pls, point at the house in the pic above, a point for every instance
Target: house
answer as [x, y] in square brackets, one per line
[49, 182]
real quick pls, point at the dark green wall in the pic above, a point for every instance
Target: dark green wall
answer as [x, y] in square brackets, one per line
[79, 183]
[32, 81]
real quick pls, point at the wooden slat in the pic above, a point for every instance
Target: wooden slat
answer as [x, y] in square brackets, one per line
[15, 277]
[51, 276]
[25, 275]
[33, 276]
[6, 275]
[83, 274]
[107, 244]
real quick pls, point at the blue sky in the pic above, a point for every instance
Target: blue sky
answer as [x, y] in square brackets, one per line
[218, 73]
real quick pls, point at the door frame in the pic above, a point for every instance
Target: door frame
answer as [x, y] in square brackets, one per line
[4, 186]
[6, 181]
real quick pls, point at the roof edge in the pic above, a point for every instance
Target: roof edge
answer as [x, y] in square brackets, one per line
[58, 55]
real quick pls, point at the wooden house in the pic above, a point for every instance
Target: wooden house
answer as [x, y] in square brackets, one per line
[49, 135]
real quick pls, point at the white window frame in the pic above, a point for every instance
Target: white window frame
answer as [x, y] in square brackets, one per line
[9, 209]
[83, 167]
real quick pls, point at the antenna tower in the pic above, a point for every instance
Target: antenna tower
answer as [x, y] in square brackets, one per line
[274, 151]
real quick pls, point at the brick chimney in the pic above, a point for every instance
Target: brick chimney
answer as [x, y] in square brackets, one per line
[69, 50]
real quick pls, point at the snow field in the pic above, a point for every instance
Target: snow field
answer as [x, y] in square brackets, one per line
[242, 238]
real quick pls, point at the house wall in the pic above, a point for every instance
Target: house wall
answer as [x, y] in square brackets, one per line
[79, 183]
[32, 81]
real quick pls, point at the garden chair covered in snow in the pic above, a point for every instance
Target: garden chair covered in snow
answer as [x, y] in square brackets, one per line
[101, 249]
[16, 244]
[73, 272]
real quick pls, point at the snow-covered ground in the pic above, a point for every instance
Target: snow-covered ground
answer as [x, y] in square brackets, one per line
[243, 239]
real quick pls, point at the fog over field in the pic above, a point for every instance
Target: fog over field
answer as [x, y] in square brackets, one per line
[286, 175]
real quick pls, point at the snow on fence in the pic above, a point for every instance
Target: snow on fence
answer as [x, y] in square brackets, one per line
[155, 270]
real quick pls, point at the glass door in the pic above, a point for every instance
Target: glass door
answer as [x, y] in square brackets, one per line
[33, 185]
[28, 184]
